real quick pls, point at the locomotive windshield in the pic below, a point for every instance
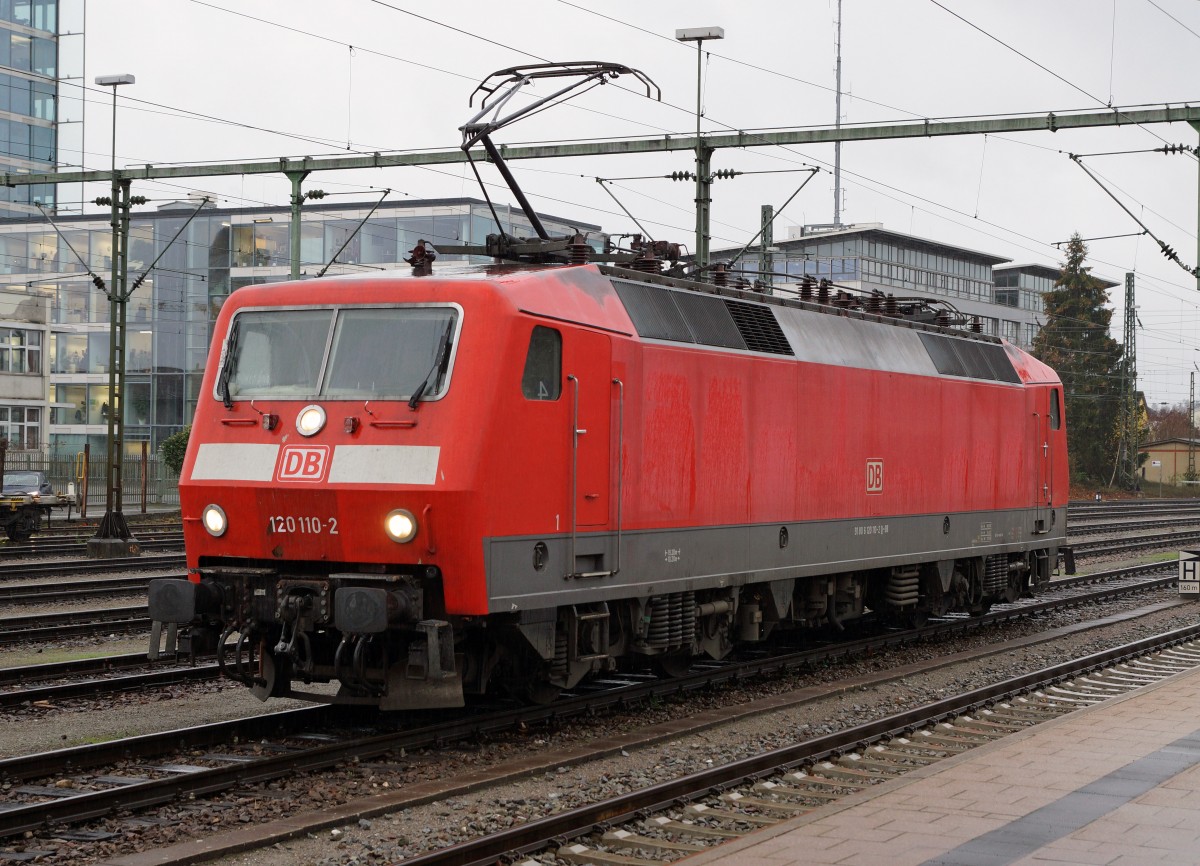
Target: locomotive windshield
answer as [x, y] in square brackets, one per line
[348, 353]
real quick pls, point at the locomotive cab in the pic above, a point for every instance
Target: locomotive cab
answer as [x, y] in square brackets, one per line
[314, 478]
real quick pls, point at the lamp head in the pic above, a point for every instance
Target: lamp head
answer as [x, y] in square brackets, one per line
[114, 80]
[698, 34]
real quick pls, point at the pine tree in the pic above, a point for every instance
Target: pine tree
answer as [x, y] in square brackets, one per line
[1075, 341]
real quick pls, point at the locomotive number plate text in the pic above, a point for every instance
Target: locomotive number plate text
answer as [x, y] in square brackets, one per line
[303, 525]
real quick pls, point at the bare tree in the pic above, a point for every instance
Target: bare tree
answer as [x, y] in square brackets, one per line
[1169, 422]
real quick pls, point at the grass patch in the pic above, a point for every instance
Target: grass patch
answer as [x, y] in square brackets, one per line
[1165, 556]
[18, 657]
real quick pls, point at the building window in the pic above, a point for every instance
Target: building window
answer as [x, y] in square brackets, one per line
[21, 426]
[20, 351]
[76, 412]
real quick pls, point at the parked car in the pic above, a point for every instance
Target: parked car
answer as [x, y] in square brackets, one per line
[31, 482]
[27, 495]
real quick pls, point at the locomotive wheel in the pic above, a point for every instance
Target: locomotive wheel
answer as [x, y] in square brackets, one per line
[274, 685]
[17, 533]
[673, 664]
[540, 693]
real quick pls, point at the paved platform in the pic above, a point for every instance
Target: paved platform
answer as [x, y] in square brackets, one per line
[1117, 783]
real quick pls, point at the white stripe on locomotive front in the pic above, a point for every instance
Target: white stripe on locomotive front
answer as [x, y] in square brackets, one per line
[217, 461]
[384, 464]
[352, 464]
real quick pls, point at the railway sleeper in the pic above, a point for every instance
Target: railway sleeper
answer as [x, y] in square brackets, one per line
[857, 762]
[625, 839]
[584, 855]
[807, 778]
[952, 741]
[699, 831]
[892, 763]
[988, 725]
[1028, 716]
[801, 794]
[847, 774]
[914, 756]
[984, 729]
[703, 810]
[787, 810]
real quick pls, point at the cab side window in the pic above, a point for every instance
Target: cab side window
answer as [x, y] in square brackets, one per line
[1055, 412]
[542, 379]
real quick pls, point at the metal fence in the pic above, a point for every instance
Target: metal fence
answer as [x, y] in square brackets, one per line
[148, 483]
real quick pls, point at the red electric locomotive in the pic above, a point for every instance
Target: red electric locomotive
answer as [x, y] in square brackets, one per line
[514, 477]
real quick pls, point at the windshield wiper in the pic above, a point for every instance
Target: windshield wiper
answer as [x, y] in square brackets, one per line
[438, 366]
[227, 365]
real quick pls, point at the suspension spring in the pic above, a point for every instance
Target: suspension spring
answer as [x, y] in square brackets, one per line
[658, 634]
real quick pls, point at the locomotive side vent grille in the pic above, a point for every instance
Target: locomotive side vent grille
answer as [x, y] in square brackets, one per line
[942, 353]
[757, 325]
[968, 358]
[653, 312]
[709, 320]
[972, 358]
[1000, 363]
[690, 317]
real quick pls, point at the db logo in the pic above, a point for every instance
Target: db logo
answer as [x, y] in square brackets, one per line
[874, 476]
[303, 463]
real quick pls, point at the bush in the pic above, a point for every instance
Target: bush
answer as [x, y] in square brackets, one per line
[174, 447]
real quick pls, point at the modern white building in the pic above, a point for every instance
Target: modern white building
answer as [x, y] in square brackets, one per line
[1006, 298]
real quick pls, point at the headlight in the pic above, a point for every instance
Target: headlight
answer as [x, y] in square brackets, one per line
[214, 520]
[400, 525]
[310, 420]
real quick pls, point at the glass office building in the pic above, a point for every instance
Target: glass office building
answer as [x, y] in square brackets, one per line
[1007, 299]
[56, 322]
[41, 97]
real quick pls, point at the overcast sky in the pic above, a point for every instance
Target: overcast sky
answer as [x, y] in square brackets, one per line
[280, 78]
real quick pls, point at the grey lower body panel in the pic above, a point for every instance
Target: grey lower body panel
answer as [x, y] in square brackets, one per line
[521, 575]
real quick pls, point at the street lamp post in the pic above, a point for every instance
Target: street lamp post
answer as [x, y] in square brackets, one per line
[113, 537]
[703, 154]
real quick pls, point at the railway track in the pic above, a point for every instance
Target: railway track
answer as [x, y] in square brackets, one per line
[168, 540]
[1085, 509]
[675, 818]
[218, 757]
[1131, 524]
[86, 667]
[113, 681]
[58, 567]
[1106, 546]
[54, 626]
[76, 590]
